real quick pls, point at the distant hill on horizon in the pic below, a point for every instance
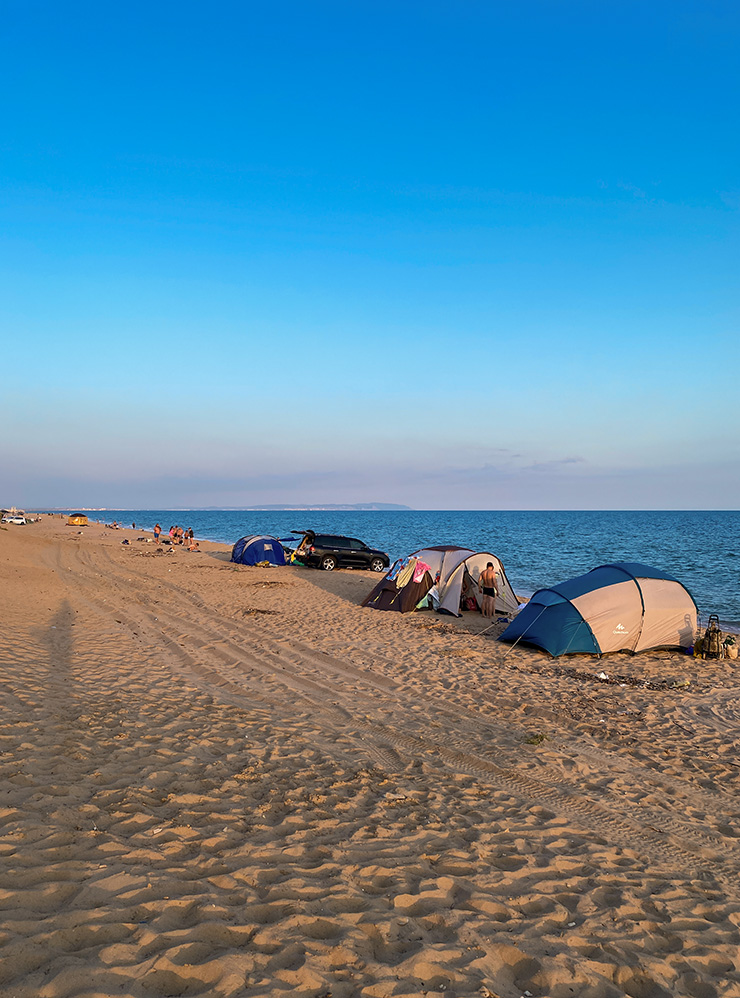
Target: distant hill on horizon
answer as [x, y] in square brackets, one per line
[333, 506]
[352, 507]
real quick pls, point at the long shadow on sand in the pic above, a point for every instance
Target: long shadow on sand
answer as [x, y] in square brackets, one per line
[64, 703]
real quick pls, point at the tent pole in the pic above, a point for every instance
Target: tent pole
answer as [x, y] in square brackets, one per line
[522, 635]
[487, 629]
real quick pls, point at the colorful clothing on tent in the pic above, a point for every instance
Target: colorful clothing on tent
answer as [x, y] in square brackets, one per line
[406, 574]
[396, 568]
[387, 596]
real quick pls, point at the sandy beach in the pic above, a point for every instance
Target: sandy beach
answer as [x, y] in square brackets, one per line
[230, 781]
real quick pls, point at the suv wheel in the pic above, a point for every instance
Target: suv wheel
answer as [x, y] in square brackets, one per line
[329, 563]
[376, 565]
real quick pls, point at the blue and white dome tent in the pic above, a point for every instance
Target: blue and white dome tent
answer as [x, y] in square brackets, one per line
[625, 606]
[258, 548]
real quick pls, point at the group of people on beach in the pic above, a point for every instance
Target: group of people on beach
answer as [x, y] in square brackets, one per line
[178, 536]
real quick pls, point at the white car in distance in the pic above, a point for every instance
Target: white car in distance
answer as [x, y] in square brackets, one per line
[14, 519]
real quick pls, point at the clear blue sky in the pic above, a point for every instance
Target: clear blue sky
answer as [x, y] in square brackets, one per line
[454, 255]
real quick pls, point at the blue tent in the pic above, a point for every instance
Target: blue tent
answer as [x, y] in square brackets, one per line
[625, 606]
[256, 548]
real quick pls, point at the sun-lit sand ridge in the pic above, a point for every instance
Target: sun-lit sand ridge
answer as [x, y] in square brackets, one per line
[233, 781]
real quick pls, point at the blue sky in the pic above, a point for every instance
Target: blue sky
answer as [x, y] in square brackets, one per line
[454, 255]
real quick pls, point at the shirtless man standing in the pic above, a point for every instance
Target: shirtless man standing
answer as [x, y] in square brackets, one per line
[487, 585]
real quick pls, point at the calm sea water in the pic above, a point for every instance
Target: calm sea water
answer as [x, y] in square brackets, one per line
[537, 548]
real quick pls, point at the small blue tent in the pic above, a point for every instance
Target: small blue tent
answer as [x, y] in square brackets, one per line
[256, 548]
[621, 607]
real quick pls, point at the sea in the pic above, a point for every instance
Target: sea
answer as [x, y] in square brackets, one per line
[537, 548]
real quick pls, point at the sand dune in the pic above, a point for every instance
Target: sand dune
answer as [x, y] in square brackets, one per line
[230, 781]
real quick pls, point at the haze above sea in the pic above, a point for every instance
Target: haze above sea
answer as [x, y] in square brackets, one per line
[538, 548]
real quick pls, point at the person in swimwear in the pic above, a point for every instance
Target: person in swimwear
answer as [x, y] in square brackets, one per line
[487, 586]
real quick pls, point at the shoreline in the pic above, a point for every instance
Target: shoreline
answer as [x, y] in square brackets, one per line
[728, 625]
[232, 781]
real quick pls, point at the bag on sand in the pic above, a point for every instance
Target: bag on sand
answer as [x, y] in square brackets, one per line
[712, 643]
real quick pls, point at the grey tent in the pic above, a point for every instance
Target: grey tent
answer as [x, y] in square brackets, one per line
[447, 568]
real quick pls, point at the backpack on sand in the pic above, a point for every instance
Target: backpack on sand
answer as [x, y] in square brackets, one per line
[712, 643]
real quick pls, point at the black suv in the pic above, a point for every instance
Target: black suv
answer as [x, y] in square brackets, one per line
[329, 551]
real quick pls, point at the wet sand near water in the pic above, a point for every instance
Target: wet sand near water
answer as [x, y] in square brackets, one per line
[230, 781]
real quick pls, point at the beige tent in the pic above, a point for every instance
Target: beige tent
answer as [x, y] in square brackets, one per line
[621, 607]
